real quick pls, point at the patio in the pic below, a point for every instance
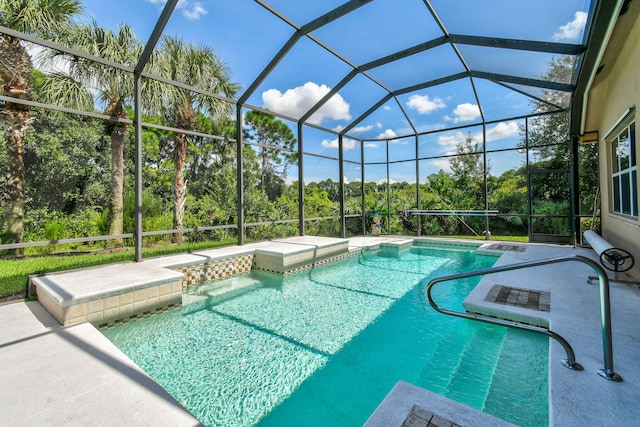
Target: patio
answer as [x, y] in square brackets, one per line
[74, 376]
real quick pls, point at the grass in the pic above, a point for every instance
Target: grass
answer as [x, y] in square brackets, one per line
[14, 273]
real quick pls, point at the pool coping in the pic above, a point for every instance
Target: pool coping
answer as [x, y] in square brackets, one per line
[62, 376]
[404, 396]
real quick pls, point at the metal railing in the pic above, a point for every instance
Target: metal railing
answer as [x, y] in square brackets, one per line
[570, 361]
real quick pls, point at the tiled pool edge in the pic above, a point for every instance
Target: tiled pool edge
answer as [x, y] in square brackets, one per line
[216, 269]
[114, 306]
[110, 309]
[311, 265]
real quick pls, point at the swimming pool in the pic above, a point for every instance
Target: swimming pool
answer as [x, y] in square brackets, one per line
[324, 346]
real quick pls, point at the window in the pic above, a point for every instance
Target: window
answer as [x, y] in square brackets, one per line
[624, 172]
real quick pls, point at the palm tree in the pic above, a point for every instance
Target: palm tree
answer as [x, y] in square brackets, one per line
[43, 18]
[197, 66]
[113, 89]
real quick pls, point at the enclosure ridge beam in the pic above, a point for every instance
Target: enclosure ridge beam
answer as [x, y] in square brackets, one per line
[564, 87]
[432, 83]
[529, 45]
[537, 98]
[366, 113]
[331, 16]
[404, 53]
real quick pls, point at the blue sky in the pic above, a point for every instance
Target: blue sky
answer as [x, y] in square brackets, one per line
[246, 36]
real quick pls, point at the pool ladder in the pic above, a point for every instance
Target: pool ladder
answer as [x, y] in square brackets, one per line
[570, 361]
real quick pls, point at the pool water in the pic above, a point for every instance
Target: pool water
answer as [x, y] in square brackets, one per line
[324, 346]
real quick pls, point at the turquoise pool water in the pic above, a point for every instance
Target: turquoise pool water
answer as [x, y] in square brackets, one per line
[323, 347]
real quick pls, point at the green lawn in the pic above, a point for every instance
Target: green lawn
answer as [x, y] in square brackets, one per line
[14, 273]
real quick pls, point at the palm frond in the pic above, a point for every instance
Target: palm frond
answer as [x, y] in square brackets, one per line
[41, 17]
[62, 90]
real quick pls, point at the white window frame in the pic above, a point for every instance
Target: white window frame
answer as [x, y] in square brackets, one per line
[624, 174]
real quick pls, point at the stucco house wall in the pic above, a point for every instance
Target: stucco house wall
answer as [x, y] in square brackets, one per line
[616, 89]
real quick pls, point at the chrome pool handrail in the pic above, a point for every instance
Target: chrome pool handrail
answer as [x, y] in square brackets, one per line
[570, 361]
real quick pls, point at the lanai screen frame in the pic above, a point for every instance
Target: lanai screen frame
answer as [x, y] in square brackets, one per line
[587, 55]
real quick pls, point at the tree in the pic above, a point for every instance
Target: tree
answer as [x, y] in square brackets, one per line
[468, 171]
[114, 89]
[547, 130]
[275, 139]
[43, 18]
[548, 136]
[66, 163]
[197, 66]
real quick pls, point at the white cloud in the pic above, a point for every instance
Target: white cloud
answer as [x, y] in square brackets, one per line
[572, 29]
[466, 112]
[330, 143]
[501, 130]
[360, 129]
[297, 101]
[384, 181]
[452, 139]
[192, 10]
[347, 144]
[371, 145]
[442, 164]
[423, 105]
[387, 134]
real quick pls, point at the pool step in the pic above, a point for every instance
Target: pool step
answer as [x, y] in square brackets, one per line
[219, 291]
[515, 365]
[437, 373]
[472, 378]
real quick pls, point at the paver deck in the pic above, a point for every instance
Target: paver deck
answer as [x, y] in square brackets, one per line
[73, 376]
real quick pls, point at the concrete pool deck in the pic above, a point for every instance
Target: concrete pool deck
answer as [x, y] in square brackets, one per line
[74, 376]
